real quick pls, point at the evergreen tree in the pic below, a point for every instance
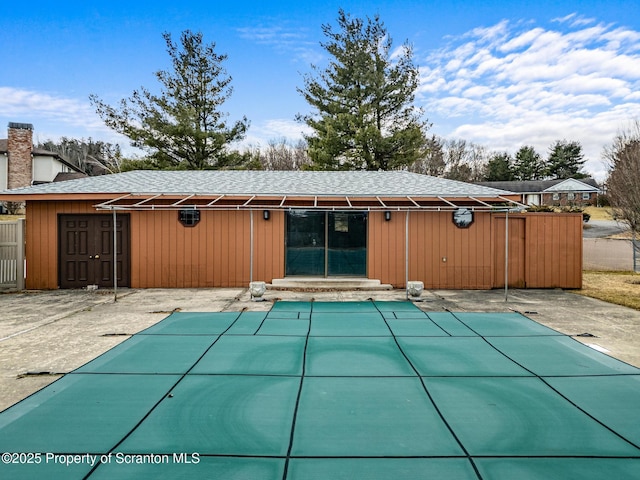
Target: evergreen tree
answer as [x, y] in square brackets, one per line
[499, 168]
[182, 127]
[565, 160]
[364, 116]
[528, 165]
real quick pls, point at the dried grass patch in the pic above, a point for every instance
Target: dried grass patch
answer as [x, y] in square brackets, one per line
[599, 213]
[10, 218]
[621, 288]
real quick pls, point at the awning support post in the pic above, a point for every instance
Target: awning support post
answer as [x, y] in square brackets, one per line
[115, 258]
[251, 242]
[406, 254]
[506, 256]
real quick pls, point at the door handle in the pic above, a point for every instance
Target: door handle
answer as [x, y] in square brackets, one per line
[97, 256]
[91, 257]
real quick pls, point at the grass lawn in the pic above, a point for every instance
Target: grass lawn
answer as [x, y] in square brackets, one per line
[599, 213]
[621, 288]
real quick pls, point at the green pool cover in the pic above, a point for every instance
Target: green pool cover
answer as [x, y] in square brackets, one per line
[335, 390]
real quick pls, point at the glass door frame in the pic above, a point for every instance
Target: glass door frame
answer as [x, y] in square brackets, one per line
[326, 241]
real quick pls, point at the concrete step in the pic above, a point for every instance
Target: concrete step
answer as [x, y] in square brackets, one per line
[331, 283]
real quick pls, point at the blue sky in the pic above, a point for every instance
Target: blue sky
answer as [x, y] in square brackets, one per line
[498, 73]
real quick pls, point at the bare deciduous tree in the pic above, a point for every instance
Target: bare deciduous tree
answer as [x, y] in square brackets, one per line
[433, 162]
[95, 157]
[623, 183]
[283, 155]
[464, 160]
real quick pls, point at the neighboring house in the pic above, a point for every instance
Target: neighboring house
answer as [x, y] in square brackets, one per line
[559, 193]
[188, 229]
[22, 165]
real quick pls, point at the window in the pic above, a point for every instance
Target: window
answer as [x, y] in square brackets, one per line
[586, 196]
[556, 196]
[189, 218]
[462, 217]
[571, 196]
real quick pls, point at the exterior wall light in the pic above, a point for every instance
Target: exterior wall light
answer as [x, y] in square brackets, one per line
[266, 214]
[387, 216]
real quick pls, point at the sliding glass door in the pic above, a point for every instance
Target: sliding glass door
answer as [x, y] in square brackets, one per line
[326, 243]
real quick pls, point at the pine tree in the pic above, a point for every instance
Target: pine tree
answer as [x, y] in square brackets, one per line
[499, 168]
[182, 127]
[528, 165]
[364, 116]
[565, 160]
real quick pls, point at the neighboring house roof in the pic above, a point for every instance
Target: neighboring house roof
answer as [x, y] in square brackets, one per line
[4, 148]
[64, 176]
[540, 186]
[572, 185]
[275, 186]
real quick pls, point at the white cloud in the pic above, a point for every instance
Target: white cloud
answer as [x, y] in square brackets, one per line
[574, 20]
[54, 117]
[284, 40]
[513, 84]
[275, 129]
[19, 103]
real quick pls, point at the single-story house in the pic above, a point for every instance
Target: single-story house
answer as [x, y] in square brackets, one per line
[569, 192]
[228, 228]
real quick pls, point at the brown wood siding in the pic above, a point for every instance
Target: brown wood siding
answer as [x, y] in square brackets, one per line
[443, 256]
[213, 253]
[554, 250]
[517, 246]
[268, 246]
[386, 247]
[216, 252]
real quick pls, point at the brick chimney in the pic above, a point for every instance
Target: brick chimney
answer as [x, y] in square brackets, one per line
[19, 148]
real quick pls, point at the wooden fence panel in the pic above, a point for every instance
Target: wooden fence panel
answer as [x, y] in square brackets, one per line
[554, 250]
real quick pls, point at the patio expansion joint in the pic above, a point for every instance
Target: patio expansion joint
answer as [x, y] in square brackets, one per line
[57, 318]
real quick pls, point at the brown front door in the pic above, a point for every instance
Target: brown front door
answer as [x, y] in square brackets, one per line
[86, 250]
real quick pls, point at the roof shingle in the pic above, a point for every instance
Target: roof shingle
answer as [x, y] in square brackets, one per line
[252, 182]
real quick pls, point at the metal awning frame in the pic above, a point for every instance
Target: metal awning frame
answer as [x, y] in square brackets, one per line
[160, 202]
[134, 202]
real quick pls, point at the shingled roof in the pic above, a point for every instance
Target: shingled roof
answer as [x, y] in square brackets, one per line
[250, 189]
[539, 186]
[253, 182]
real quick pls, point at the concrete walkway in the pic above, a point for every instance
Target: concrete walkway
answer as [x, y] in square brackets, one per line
[46, 334]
